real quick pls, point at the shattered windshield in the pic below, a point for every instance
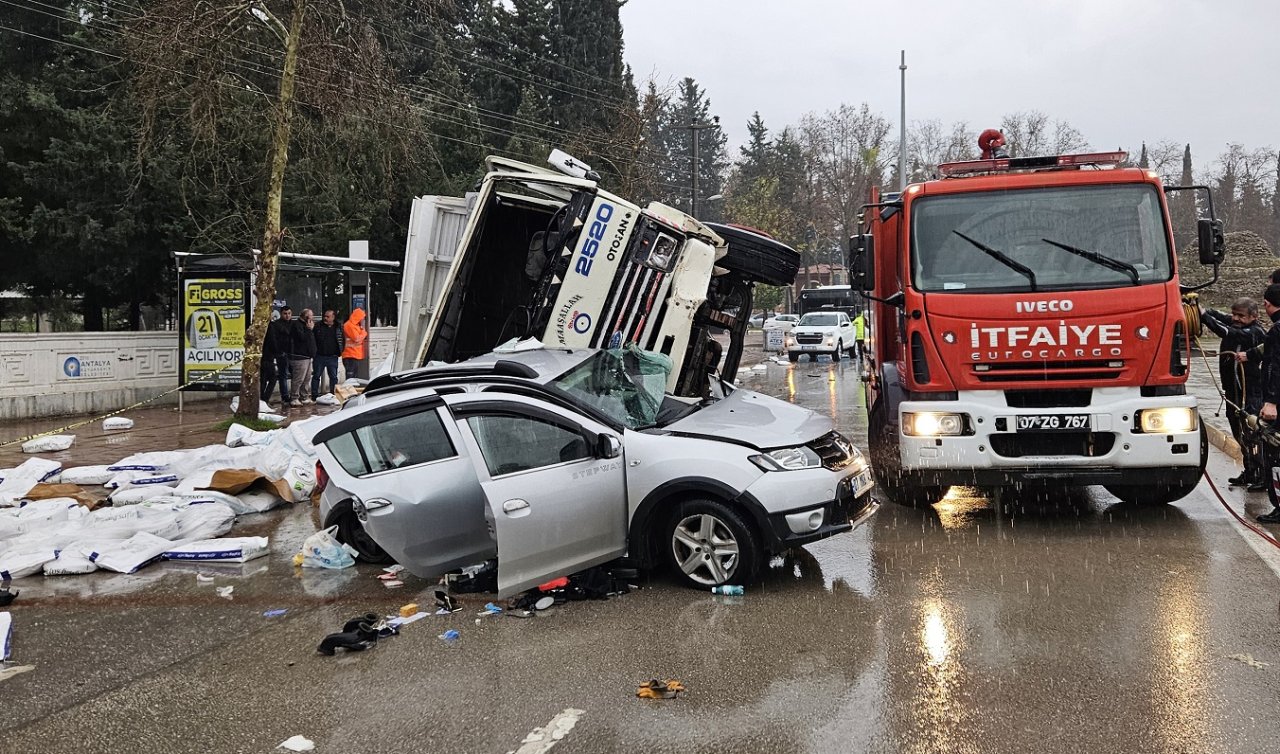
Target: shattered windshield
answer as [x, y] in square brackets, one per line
[627, 384]
[1040, 239]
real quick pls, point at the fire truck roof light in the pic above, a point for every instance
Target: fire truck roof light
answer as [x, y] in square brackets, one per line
[1007, 164]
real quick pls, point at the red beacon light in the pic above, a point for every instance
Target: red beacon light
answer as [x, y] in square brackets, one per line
[996, 160]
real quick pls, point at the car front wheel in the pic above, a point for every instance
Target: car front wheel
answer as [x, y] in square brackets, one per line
[836, 354]
[708, 544]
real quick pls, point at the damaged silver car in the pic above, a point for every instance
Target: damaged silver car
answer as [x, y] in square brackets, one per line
[549, 461]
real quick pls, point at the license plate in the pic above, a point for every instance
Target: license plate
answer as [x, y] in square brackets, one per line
[1053, 422]
[809, 346]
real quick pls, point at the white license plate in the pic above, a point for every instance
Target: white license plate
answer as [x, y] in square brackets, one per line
[810, 346]
[1053, 422]
[860, 482]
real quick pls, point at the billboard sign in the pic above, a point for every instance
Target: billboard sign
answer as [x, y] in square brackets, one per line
[215, 316]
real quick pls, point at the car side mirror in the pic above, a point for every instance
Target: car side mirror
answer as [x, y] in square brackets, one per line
[608, 446]
[862, 265]
[1213, 244]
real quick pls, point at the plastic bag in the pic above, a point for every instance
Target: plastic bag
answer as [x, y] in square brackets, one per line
[48, 444]
[227, 550]
[87, 475]
[328, 399]
[262, 405]
[239, 435]
[129, 555]
[323, 550]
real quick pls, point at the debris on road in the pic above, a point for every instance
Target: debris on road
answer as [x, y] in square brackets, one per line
[728, 589]
[297, 743]
[48, 444]
[117, 422]
[409, 609]
[276, 613]
[1247, 659]
[7, 673]
[323, 550]
[7, 597]
[6, 636]
[656, 689]
[225, 591]
[226, 550]
[451, 635]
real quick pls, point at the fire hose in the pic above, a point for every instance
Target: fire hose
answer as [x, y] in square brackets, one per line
[1191, 312]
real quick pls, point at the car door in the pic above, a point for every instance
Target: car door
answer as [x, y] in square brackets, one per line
[416, 482]
[555, 482]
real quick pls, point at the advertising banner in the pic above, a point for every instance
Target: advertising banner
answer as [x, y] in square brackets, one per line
[215, 316]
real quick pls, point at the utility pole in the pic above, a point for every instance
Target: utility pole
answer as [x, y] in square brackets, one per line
[902, 128]
[694, 128]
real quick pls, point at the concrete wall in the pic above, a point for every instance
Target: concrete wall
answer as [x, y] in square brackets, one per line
[117, 369]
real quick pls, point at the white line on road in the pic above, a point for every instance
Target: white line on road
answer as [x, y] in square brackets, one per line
[540, 740]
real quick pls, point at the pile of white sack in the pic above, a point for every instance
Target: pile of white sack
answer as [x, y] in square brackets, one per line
[160, 506]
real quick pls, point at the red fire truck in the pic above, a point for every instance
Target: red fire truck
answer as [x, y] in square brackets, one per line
[1026, 329]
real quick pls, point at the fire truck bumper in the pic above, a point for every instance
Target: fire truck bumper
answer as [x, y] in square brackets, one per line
[1119, 436]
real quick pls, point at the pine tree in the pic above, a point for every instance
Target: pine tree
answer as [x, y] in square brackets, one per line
[1143, 161]
[756, 154]
[1184, 208]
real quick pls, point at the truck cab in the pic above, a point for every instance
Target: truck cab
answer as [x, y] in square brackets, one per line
[1026, 328]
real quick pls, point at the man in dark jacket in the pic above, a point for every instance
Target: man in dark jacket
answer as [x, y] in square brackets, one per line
[1241, 382]
[328, 336]
[302, 350]
[1270, 398]
[276, 344]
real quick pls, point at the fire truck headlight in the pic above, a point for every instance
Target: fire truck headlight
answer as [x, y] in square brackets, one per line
[1167, 420]
[932, 424]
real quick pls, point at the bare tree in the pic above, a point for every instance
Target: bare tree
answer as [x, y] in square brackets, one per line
[228, 71]
[1031, 133]
[845, 153]
[930, 144]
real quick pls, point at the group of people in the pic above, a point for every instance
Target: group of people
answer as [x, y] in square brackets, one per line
[298, 354]
[1249, 364]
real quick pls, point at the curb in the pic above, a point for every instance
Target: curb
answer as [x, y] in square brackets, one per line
[1224, 442]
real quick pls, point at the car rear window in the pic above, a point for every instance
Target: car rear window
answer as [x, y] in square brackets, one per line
[398, 442]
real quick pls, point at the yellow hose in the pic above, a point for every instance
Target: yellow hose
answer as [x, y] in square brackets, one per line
[1191, 315]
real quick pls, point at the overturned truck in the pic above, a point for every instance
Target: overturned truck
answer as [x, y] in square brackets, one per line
[536, 253]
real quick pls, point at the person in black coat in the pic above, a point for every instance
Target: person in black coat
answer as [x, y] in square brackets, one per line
[1270, 399]
[275, 346]
[1241, 381]
[328, 337]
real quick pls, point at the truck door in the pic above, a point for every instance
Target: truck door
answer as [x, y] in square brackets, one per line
[556, 492]
[436, 225]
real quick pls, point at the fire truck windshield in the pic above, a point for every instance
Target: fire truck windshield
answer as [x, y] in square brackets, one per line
[1066, 238]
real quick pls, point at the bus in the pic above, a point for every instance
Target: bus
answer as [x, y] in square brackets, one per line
[840, 298]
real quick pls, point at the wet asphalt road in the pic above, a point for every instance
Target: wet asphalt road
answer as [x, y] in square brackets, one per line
[1067, 624]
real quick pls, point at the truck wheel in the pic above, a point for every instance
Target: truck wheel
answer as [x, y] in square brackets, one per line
[835, 355]
[757, 257]
[794, 356]
[1150, 494]
[708, 544]
[909, 493]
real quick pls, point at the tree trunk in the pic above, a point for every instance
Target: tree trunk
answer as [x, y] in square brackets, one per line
[272, 235]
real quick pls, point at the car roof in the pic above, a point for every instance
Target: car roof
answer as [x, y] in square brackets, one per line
[538, 365]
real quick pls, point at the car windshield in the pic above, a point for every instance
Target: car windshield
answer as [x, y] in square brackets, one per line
[820, 320]
[1040, 239]
[626, 384]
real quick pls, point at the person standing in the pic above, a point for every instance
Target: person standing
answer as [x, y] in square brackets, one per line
[1241, 381]
[302, 351]
[328, 347]
[1270, 398]
[355, 334]
[276, 342]
[860, 333]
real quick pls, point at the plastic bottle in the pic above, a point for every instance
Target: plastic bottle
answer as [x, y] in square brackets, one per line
[728, 589]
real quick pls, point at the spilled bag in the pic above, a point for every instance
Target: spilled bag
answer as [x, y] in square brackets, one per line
[323, 550]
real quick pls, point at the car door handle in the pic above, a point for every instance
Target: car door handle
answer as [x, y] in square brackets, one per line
[515, 505]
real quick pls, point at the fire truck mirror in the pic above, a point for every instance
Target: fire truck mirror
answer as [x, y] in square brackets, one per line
[862, 265]
[1213, 245]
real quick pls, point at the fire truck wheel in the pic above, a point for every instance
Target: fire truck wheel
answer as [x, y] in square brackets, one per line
[910, 494]
[1151, 494]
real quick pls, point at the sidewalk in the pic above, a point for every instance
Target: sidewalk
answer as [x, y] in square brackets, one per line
[1201, 382]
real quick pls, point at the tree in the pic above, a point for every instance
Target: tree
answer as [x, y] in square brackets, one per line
[691, 107]
[929, 145]
[213, 63]
[1183, 211]
[1031, 133]
[845, 155]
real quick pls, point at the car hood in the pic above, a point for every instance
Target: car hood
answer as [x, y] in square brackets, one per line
[750, 418]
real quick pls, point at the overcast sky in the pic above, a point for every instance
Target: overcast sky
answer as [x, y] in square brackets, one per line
[1121, 71]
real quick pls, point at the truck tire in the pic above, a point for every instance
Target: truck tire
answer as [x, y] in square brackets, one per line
[902, 490]
[756, 256]
[1165, 493]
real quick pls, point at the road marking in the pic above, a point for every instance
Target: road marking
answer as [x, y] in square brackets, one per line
[541, 740]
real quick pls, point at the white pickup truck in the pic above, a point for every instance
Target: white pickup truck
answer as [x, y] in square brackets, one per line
[821, 332]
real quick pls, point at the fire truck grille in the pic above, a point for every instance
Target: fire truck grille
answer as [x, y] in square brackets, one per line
[1027, 444]
[1049, 371]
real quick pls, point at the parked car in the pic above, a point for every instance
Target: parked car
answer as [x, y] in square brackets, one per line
[785, 322]
[821, 332]
[552, 461]
[757, 320]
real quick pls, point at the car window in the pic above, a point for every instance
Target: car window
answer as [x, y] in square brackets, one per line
[398, 442]
[511, 443]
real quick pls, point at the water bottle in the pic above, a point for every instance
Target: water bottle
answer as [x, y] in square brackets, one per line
[728, 589]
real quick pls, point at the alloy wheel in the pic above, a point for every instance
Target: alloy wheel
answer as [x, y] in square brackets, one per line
[705, 549]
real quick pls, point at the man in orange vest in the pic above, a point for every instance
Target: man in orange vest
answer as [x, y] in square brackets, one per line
[355, 334]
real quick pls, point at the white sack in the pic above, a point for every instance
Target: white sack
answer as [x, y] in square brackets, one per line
[266, 416]
[142, 494]
[262, 405]
[239, 435]
[54, 510]
[131, 554]
[16, 564]
[19, 481]
[226, 550]
[328, 399]
[70, 561]
[87, 475]
[144, 518]
[257, 501]
[205, 520]
[156, 460]
[48, 444]
[127, 479]
[301, 478]
[117, 422]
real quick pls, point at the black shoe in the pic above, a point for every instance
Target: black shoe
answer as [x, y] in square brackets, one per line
[1257, 487]
[1238, 481]
[1270, 518]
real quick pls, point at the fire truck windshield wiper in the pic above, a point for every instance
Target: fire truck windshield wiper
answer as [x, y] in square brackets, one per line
[1099, 259]
[1002, 258]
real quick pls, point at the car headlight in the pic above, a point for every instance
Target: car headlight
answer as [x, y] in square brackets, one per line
[1167, 420]
[787, 459]
[932, 424]
[831, 340]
